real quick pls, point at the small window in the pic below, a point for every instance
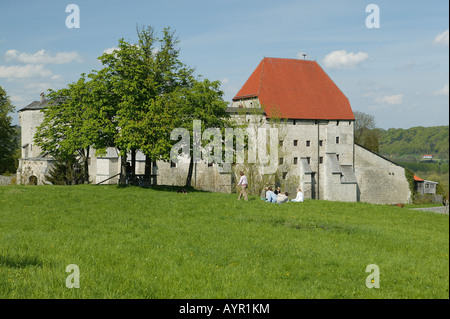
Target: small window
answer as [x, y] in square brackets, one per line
[295, 142]
[280, 161]
[281, 143]
[210, 164]
[320, 143]
[320, 160]
[337, 139]
[337, 157]
[295, 160]
[308, 143]
[308, 160]
[284, 175]
[173, 164]
[294, 122]
[337, 123]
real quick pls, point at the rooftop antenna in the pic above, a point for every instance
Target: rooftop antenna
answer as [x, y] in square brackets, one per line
[304, 56]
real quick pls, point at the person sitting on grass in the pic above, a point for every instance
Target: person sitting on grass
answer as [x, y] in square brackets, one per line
[270, 196]
[299, 197]
[282, 198]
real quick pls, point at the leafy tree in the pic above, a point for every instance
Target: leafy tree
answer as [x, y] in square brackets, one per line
[8, 141]
[416, 141]
[366, 133]
[138, 80]
[65, 132]
[203, 101]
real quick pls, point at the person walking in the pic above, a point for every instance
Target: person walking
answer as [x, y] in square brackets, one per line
[243, 183]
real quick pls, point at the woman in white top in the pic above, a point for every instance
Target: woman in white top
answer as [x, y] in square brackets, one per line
[243, 183]
[299, 197]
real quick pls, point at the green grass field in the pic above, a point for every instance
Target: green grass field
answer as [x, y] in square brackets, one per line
[155, 243]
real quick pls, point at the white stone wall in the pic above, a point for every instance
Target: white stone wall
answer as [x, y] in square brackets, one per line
[379, 180]
[29, 120]
[37, 167]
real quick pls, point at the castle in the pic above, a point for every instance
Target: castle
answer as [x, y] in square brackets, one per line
[318, 149]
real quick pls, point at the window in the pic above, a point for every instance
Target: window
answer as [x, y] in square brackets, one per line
[320, 143]
[284, 175]
[281, 143]
[210, 164]
[337, 157]
[320, 160]
[294, 122]
[295, 142]
[173, 164]
[280, 161]
[308, 159]
[295, 160]
[308, 143]
[337, 123]
[337, 139]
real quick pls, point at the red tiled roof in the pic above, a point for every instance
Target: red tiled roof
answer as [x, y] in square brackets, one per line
[418, 179]
[297, 89]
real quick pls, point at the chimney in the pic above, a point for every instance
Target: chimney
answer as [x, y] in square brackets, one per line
[42, 97]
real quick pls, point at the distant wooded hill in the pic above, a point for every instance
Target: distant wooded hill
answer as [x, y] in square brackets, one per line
[415, 141]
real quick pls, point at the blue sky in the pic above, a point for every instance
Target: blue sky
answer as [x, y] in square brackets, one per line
[398, 72]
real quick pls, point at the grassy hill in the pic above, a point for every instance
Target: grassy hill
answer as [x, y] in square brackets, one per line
[407, 146]
[415, 142]
[155, 243]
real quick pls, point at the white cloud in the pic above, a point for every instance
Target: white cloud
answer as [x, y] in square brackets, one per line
[441, 38]
[340, 59]
[443, 91]
[42, 57]
[22, 72]
[110, 50]
[391, 99]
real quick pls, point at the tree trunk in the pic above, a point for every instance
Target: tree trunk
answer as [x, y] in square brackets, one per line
[133, 166]
[148, 169]
[155, 182]
[86, 166]
[123, 170]
[189, 175]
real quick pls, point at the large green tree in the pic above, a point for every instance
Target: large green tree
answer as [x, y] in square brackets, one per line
[203, 101]
[139, 79]
[141, 94]
[8, 142]
[66, 131]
